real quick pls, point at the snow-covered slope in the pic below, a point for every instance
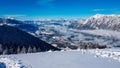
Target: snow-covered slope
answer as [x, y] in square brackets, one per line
[65, 59]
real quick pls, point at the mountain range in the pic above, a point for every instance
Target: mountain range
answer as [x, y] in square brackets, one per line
[98, 29]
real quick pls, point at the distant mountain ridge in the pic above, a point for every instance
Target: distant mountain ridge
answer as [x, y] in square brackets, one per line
[100, 21]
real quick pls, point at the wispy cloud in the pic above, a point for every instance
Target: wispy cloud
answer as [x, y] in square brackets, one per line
[97, 10]
[109, 10]
[14, 15]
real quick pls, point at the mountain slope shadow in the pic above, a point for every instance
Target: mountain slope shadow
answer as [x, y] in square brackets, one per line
[14, 39]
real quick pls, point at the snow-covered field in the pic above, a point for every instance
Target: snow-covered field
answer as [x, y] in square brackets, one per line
[107, 58]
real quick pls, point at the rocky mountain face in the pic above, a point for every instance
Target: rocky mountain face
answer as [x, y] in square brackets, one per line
[13, 39]
[99, 21]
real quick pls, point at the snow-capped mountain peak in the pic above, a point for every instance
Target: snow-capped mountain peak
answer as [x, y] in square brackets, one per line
[101, 21]
[98, 16]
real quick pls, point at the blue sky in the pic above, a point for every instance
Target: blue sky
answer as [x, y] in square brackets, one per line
[58, 8]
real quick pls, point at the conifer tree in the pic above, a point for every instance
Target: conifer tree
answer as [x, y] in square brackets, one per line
[29, 50]
[5, 51]
[38, 50]
[1, 49]
[23, 50]
[18, 50]
[34, 49]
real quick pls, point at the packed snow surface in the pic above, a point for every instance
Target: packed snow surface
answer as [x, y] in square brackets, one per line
[65, 59]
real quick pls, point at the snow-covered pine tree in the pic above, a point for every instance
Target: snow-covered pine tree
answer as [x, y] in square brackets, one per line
[34, 49]
[18, 50]
[29, 49]
[23, 50]
[5, 51]
[1, 49]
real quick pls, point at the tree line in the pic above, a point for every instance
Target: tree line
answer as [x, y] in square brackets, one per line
[81, 45]
[18, 50]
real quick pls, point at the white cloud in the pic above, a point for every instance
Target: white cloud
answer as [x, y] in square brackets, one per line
[97, 10]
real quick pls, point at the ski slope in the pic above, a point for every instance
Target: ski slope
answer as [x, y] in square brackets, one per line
[63, 59]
